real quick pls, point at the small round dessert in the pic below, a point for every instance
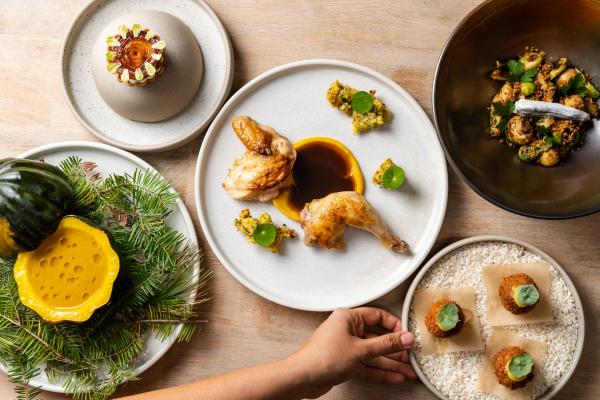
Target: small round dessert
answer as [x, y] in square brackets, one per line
[136, 55]
[444, 319]
[513, 367]
[141, 84]
[519, 293]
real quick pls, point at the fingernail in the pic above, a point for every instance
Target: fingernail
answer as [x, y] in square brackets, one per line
[407, 339]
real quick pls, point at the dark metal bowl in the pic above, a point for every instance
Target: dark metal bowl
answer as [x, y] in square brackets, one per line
[462, 91]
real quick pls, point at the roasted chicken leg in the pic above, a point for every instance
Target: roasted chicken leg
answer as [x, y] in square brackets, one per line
[324, 221]
[264, 170]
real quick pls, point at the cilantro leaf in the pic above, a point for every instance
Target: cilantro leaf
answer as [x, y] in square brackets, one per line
[529, 75]
[575, 86]
[543, 131]
[505, 110]
[503, 124]
[515, 70]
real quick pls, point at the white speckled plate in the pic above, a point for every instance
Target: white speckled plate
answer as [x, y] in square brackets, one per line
[113, 160]
[291, 98]
[99, 119]
[553, 390]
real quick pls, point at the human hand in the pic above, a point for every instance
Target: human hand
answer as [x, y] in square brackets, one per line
[341, 349]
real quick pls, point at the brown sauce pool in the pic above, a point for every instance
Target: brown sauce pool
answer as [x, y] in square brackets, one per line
[320, 169]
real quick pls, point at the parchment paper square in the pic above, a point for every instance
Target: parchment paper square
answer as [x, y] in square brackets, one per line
[487, 381]
[468, 339]
[497, 315]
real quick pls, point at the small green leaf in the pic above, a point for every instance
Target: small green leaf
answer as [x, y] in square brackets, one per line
[265, 234]
[526, 295]
[515, 70]
[447, 318]
[575, 86]
[543, 131]
[393, 177]
[520, 366]
[362, 102]
[505, 110]
[529, 75]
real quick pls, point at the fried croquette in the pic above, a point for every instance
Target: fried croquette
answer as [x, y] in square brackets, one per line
[507, 294]
[501, 360]
[431, 323]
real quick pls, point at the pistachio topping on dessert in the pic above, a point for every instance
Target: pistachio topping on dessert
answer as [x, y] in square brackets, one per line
[135, 55]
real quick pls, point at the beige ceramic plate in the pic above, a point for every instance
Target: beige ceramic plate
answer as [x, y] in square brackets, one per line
[552, 391]
[101, 120]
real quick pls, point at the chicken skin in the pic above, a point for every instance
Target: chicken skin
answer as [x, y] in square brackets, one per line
[325, 220]
[264, 170]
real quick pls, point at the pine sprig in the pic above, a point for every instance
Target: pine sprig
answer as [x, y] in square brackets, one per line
[157, 289]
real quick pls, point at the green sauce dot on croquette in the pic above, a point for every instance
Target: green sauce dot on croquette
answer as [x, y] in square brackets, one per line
[519, 367]
[447, 317]
[526, 295]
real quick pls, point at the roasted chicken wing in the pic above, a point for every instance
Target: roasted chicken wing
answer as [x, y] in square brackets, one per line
[324, 221]
[264, 170]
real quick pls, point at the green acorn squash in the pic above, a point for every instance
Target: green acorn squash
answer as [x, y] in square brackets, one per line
[70, 274]
[34, 196]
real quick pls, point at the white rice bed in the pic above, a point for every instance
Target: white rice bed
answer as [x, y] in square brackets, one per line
[455, 374]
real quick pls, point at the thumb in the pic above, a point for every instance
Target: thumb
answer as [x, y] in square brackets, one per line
[388, 344]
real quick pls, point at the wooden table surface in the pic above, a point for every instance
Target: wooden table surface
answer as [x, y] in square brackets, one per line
[400, 38]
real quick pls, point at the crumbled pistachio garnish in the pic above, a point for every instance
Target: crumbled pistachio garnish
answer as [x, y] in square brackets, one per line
[340, 96]
[248, 224]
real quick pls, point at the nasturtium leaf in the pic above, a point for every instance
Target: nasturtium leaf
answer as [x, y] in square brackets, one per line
[520, 366]
[265, 234]
[362, 102]
[393, 177]
[447, 318]
[526, 295]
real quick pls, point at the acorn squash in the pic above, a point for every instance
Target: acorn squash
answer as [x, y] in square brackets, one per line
[70, 274]
[34, 196]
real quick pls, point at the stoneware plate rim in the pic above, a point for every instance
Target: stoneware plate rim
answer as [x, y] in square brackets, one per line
[527, 246]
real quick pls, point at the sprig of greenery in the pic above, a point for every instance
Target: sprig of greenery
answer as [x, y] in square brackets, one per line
[505, 111]
[575, 86]
[157, 289]
[517, 72]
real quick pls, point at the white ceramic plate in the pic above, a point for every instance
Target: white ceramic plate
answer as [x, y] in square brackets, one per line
[291, 99]
[99, 119]
[532, 249]
[112, 160]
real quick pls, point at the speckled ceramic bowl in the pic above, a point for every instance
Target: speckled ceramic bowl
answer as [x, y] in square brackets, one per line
[499, 30]
[553, 390]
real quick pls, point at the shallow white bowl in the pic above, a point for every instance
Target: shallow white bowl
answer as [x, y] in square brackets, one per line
[532, 249]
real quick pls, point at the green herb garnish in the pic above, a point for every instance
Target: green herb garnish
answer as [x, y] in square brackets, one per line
[362, 102]
[265, 234]
[520, 366]
[526, 295]
[393, 177]
[517, 73]
[575, 86]
[505, 111]
[447, 318]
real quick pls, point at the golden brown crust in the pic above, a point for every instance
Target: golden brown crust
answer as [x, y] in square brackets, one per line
[430, 320]
[506, 292]
[501, 359]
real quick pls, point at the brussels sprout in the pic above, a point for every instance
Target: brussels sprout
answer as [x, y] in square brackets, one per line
[592, 90]
[545, 122]
[591, 107]
[549, 158]
[527, 88]
[565, 77]
[531, 60]
[519, 130]
[507, 93]
[529, 152]
[565, 133]
[560, 67]
[495, 119]
[574, 101]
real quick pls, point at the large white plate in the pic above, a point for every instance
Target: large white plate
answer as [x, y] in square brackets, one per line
[112, 160]
[98, 118]
[291, 99]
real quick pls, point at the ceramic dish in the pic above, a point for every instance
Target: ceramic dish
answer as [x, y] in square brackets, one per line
[513, 249]
[462, 91]
[87, 104]
[317, 279]
[112, 160]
